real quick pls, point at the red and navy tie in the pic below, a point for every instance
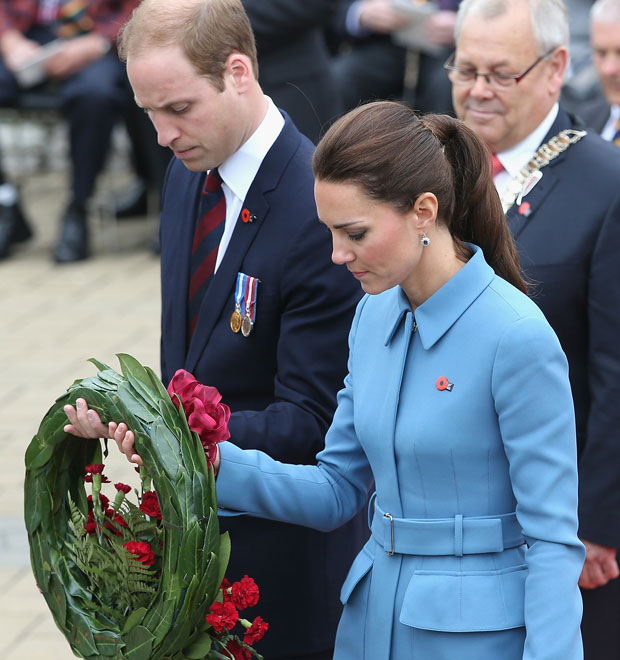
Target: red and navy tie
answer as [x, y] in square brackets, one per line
[207, 238]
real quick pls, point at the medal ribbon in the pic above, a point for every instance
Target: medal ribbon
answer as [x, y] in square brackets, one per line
[250, 298]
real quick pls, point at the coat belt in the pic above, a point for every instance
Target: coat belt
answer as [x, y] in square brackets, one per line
[456, 536]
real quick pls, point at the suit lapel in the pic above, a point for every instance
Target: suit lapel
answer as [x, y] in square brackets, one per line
[520, 215]
[256, 201]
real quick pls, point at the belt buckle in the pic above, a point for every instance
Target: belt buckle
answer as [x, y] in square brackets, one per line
[391, 519]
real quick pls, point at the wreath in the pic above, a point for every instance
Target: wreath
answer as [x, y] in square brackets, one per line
[83, 569]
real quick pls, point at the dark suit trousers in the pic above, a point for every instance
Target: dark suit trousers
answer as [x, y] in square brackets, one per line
[92, 100]
[600, 627]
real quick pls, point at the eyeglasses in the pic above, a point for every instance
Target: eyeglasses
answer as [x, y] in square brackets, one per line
[497, 80]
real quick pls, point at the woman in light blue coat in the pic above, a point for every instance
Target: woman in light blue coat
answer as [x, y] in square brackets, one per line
[457, 406]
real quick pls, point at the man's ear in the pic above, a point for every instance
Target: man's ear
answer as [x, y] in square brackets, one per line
[558, 62]
[239, 71]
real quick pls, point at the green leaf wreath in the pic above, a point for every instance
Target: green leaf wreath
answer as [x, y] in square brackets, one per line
[165, 617]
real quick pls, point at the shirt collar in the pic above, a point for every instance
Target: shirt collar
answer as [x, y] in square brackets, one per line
[440, 312]
[609, 130]
[516, 157]
[239, 170]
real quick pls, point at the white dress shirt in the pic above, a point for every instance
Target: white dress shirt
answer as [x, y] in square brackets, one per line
[239, 170]
[611, 127]
[516, 157]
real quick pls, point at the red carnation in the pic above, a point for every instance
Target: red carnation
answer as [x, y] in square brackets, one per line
[150, 504]
[223, 616]
[96, 468]
[122, 488]
[237, 651]
[256, 631]
[142, 549]
[118, 519]
[245, 593]
[90, 527]
[102, 498]
[206, 415]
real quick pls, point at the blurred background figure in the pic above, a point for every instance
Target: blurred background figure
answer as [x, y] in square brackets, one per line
[603, 114]
[376, 59]
[67, 46]
[581, 83]
[294, 70]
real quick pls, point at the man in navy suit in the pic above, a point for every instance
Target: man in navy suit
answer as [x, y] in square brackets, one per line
[603, 114]
[192, 66]
[563, 206]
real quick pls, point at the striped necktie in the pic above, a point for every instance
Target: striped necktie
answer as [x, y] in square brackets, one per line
[207, 236]
[616, 137]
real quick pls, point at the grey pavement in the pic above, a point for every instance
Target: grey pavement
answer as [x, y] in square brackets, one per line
[52, 319]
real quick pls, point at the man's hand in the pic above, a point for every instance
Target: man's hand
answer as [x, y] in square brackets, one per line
[75, 54]
[378, 16]
[440, 27]
[86, 423]
[600, 566]
[16, 49]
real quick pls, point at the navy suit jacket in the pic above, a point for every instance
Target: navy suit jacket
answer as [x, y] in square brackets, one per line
[569, 246]
[280, 382]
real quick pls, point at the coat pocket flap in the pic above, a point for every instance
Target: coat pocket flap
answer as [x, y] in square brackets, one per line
[360, 566]
[465, 602]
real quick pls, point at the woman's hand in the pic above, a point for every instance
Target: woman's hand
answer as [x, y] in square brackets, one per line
[86, 423]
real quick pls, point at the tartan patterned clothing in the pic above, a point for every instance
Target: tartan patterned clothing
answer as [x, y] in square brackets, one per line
[108, 16]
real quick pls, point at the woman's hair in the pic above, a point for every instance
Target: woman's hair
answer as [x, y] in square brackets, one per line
[208, 32]
[394, 156]
[549, 19]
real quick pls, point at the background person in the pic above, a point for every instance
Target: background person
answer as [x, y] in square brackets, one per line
[603, 115]
[507, 75]
[192, 66]
[90, 82]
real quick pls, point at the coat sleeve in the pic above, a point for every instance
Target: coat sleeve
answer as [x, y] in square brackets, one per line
[535, 411]
[322, 496]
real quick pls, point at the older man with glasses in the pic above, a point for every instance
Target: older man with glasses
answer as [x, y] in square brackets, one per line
[560, 189]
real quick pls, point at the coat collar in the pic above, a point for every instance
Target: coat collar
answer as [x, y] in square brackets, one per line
[440, 312]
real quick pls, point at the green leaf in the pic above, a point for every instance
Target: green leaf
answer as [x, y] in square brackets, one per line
[199, 648]
[38, 454]
[100, 365]
[134, 619]
[139, 642]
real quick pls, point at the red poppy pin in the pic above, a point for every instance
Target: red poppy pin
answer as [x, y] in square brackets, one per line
[524, 208]
[246, 216]
[442, 383]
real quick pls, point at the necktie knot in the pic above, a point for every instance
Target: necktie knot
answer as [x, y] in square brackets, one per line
[496, 166]
[213, 182]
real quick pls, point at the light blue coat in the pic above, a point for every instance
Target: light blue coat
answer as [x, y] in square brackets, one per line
[446, 574]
